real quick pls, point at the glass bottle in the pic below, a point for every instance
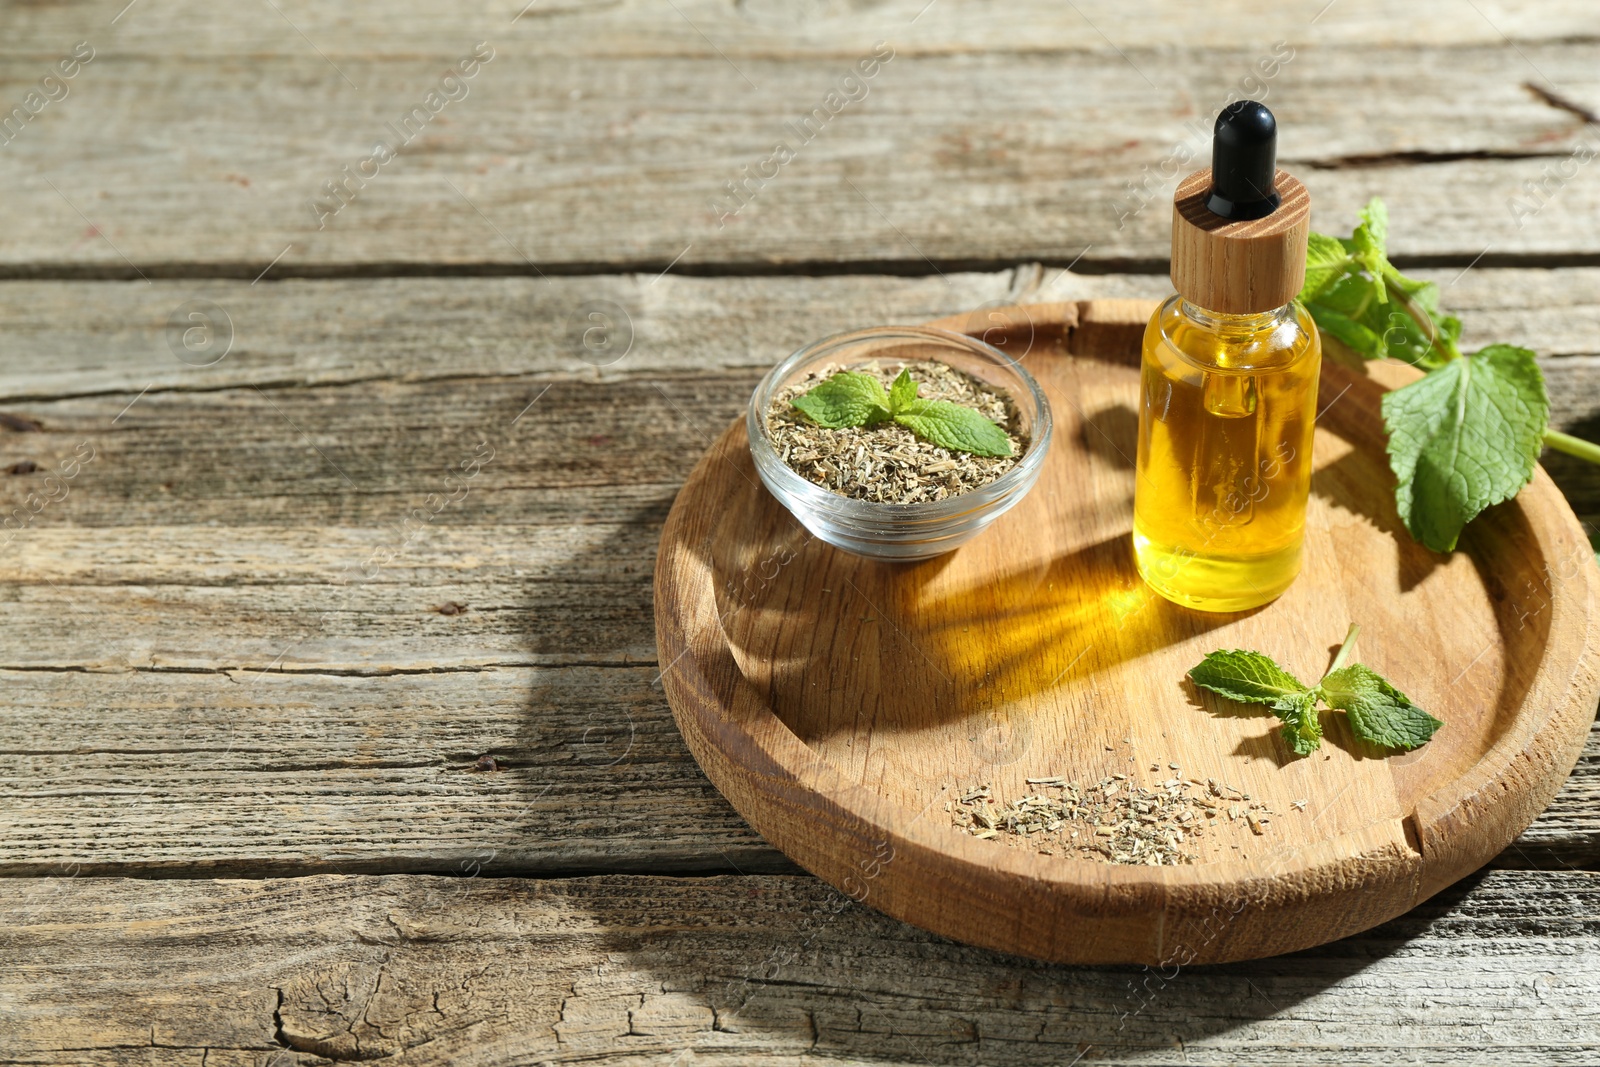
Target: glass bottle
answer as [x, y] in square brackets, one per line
[1228, 385]
[1227, 408]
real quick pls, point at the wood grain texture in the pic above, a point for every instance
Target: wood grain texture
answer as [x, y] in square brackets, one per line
[841, 701]
[405, 370]
[759, 971]
[93, 339]
[780, 28]
[1245, 267]
[604, 136]
[184, 697]
[191, 558]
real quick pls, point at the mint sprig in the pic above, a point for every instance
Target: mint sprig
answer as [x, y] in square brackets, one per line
[1467, 435]
[1379, 714]
[850, 398]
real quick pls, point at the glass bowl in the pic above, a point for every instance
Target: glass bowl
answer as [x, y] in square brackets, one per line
[901, 531]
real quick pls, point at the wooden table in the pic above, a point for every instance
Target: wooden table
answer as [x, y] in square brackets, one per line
[333, 724]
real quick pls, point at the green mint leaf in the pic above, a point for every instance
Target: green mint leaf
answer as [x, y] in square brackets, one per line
[1369, 244]
[1379, 713]
[1326, 262]
[1464, 437]
[849, 398]
[1302, 726]
[1450, 327]
[1253, 678]
[1348, 290]
[1419, 341]
[955, 427]
[902, 392]
[1250, 677]
[1356, 335]
[1375, 224]
[1346, 309]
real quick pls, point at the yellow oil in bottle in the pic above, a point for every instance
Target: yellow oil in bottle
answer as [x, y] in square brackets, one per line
[1227, 407]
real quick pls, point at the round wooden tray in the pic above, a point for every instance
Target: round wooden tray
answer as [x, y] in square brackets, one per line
[840, 703]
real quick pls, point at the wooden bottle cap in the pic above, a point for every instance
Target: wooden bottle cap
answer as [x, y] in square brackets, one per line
[1239, 267]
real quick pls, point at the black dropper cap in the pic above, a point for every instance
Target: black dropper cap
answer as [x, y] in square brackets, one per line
[1244, 162]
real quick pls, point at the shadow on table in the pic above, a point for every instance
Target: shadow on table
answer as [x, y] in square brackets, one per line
[788, 965]
[597, 777]
[739, 966]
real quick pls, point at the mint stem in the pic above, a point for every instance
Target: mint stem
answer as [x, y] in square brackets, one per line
[1344, 649]
[1561, 442]
[1436, 339]
[1552, 439]
[1572, 446]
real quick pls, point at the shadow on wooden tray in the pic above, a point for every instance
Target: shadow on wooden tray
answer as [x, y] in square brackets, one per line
[907, 675]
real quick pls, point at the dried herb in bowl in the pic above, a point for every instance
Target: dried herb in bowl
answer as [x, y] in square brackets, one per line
[899, 448]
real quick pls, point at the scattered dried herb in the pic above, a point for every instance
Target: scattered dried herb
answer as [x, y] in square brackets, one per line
[1378, 712]
[1112, 819]
[881, 457]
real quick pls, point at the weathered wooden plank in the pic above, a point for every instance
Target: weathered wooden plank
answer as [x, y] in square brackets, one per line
[746, 970]
[780, 28]
[111, 338]
[240, 772]
[456, 598]
[418, 372]
[970, 145]
[370, 455]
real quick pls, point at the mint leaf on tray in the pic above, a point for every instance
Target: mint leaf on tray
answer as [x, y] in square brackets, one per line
[1248, 677]
[1379, 714]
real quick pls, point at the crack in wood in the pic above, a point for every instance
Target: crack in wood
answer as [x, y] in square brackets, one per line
[1561, 103]
[1423, 157]
[892, 267]
[334, 672]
